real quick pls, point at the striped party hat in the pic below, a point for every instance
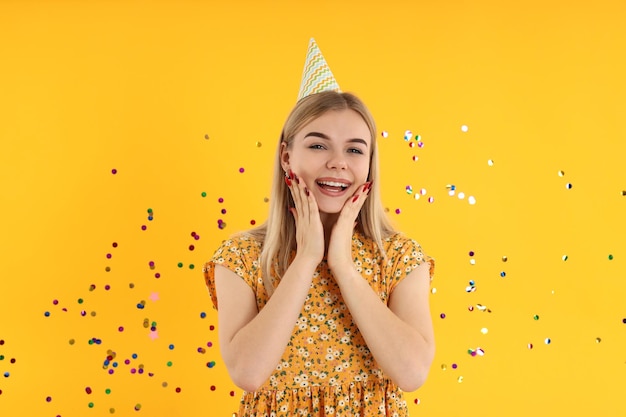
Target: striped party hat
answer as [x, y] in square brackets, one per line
[316, 76]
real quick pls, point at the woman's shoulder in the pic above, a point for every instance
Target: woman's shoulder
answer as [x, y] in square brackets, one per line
[397, 239]
[245, 241]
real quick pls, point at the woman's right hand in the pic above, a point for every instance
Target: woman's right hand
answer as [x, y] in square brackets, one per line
[309, 229]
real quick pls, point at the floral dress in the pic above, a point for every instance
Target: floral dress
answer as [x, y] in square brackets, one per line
[326, 369]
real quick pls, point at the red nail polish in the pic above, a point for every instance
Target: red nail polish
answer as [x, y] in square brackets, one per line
[288, 181]
[290, 174]
[356, 197]
[365, 186]
[306, 191]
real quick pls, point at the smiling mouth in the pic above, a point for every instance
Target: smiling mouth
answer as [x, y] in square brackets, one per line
[333, 186]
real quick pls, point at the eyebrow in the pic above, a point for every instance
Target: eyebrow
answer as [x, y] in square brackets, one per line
[323, 136]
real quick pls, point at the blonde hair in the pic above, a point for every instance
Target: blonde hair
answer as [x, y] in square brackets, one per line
[278, 233]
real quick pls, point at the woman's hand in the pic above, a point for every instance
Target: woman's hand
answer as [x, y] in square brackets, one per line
[340, 245]
[309, 229]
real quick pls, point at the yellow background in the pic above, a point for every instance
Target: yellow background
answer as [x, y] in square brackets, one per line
[88, 87]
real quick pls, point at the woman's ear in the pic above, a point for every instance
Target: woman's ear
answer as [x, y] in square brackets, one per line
[284, 156]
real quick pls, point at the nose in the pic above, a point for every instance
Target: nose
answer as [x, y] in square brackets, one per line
[337, 161]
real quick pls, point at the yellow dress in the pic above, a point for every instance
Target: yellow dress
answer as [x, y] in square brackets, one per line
[326, 369]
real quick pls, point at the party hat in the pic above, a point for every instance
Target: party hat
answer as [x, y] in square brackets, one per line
[316, 76]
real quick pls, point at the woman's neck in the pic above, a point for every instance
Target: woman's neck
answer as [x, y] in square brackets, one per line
[328, 222]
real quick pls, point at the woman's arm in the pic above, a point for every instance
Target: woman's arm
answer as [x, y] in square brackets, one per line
[251, 341]
[400, 336]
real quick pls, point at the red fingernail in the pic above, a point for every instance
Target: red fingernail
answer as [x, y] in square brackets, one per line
[365, 186]
[306, 190]
[290, 174]
[296, 178]
[288, 181]
[356, 197]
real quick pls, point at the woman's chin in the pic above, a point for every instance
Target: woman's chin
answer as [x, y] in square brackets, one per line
[330, 208]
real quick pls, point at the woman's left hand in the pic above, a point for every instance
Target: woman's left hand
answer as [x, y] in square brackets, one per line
[339, 254]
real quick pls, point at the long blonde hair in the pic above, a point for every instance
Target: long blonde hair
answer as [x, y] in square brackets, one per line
[278, 233]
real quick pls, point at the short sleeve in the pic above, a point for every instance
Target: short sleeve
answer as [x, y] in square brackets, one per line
[404, 256]
[238, 255]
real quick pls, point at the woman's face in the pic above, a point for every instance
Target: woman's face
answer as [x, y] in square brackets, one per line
[332, 155]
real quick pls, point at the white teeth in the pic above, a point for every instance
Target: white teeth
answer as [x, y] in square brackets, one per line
[333, 184]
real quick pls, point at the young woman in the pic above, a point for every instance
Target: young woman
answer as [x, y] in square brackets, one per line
[323, 310]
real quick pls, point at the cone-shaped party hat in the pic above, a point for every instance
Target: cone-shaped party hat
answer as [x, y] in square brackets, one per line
[316, 76]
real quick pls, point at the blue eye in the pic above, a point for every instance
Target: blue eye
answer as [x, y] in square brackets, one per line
[316, 147]
[355, 150]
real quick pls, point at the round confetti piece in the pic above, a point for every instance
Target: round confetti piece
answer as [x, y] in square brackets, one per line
[504, 259]
[464, 128]
[598, 340]
[561, 173]
[490, 162]
[384, 134]
[548, 341]
[610, 257]
[530, 346]
[564, 257]
[568, 186]
[114, 171]
[471, 199]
